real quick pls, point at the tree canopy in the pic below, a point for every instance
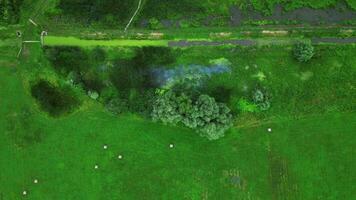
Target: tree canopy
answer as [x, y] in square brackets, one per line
[209, 118]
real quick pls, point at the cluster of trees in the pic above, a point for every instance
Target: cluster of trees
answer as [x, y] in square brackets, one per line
[129, 85]
[10, 11]
[76, 65]
[204, 114]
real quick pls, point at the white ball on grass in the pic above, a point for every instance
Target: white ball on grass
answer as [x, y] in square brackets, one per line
[171, 146]
[105, 146]
[119, 157]
[269, 130]
[24, 192]
[35, 181]
[96, 166]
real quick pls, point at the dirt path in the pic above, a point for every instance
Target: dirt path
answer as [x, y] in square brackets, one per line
[253, 42]
[185, 43]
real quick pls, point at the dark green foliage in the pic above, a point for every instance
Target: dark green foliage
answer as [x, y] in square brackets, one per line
[10, 11]
[221, 93]
[67, 59]
[135, 73]
[148, 56]
[141, 102]
[98, 54]
[77, 66]
[135, 102]
[91, 81]
[56, 101]
[209, 118]
[303, 52]
[126, 76]
[163, 9]
[107, 11]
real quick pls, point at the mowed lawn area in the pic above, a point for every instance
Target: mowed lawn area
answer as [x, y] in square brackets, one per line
[72, 41]
[309, 158]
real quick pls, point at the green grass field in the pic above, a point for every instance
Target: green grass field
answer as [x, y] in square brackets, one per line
[308, 155]
[249, 163]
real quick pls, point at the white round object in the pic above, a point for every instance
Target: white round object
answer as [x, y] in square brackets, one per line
[269, 130]
[24, 192]
[35, 181]
[171, 145]
[105, 146]
[119, 157]
[96, 167]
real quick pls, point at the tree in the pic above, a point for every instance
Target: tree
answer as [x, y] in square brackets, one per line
[303, 52]
[165, 109]
[209, 118]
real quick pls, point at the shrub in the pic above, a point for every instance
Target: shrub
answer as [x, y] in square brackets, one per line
[117, 106]
[134, 102]
[56, 101]
[261, 99]
[245, 106]
[303, 52]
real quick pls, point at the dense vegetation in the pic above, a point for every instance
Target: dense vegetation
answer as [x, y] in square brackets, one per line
[106, 11]
[129, 85]
[56, 101]
[210, 118]
[125, 83]
[192, 12]
[10, 11]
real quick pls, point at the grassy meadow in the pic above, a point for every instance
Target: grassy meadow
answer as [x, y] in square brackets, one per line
[308, 154]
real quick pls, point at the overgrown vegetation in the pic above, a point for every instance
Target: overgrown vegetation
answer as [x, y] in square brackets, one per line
[189, 13]
[54, 100]
[127, 81]
[106, 11]
[10, 11]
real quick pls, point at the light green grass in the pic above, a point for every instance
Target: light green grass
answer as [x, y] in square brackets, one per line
[71, 41]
